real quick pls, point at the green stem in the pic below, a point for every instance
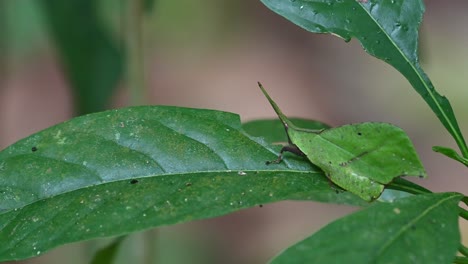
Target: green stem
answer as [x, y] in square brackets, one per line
[464, 213]
[460, 260]
[465, 200]
[462, 145]
[135, 64]
[403, 185]
[463, 250]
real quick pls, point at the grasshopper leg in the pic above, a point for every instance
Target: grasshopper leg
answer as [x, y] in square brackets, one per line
[290, 148]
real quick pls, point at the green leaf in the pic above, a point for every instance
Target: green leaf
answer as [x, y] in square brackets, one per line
[272, 130]
[107, 254]
[125, 170]
[451, 154]
[386, 29]
[417, 229]
[91, 59]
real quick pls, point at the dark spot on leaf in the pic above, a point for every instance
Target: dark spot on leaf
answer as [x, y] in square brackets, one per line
[359, 134]
[188, 184]
[133, 181]
[34, 149]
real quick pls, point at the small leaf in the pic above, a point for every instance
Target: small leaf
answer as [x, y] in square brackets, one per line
[127, 170]
[272, 130]
[417, 229]
[451, 154]
[386, 29]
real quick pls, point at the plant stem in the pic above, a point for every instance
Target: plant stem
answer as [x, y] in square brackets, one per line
[400, 184]
[463, 250]
[136, 85]
[135, 64]
[150, 238]
[464, 213]
[460, 260]
[465, 200]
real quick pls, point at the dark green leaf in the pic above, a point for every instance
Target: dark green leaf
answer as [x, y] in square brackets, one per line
[107, 254]
[89, 55]
[386, 29]
[272, 130]
[451, 154]
[120, 171]
[417, 229]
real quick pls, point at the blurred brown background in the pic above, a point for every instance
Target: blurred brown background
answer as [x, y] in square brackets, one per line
[210, 54]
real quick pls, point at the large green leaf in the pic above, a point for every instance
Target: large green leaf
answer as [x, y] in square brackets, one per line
[386, 29]
[91, 59]
[417, 229]
[125, 170]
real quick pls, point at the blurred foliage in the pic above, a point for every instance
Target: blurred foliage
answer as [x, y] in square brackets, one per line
[107, 254]
[91, 58]
[24, 31]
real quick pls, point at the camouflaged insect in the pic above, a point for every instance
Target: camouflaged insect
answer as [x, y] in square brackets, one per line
[360, 158]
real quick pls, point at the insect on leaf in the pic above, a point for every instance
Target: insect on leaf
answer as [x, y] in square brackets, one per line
[387, 30]
[360, 158]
